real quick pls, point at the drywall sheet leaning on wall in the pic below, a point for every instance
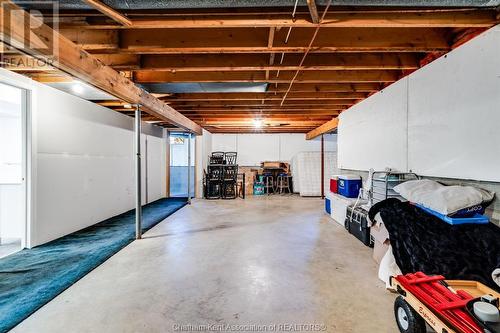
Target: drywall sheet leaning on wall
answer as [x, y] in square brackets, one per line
[372, 133]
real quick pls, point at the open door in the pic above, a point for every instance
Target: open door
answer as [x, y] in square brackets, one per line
[13, 150]
[179, 146]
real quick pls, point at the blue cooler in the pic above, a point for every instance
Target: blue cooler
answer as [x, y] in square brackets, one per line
[349, 185]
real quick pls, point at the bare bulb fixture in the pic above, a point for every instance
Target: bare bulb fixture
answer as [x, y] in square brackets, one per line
[257, 123]
[77, 87]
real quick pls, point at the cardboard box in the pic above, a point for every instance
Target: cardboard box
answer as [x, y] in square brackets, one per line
[276, 165]
[250, 174]
[379, 250]
[381, 244]
[271, 164]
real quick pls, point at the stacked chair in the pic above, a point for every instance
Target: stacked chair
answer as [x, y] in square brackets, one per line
[220, 179]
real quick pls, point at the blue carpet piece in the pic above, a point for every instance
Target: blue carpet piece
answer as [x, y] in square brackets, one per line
[32, 277]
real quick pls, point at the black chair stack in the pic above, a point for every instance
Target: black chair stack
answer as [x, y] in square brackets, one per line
[221, 177]
[213, 179]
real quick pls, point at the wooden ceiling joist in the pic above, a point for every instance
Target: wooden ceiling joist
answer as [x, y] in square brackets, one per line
[450, 18]
[153, 76]
[260, 96]
[326, 87]
[109, 12]
[76, 62]
[325, 128]
[261, 62]
[255, 40]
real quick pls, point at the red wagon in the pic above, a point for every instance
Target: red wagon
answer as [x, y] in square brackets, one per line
[446, 305]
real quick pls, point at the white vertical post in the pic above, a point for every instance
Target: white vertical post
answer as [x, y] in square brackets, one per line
[189, 169]
[138, 199]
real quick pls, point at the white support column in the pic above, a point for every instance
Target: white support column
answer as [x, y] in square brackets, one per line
[138, 199]
[189, 169]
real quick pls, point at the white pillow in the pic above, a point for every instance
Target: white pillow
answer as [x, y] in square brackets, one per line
[440, 198]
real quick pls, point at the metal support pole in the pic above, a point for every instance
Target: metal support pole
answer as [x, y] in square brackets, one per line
[322, 167]
[189, 169]
[138, 202]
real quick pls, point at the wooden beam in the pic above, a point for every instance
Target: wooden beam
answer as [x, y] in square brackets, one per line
[74, 61]
[152, 76]
[257, 104]
[313, 10]
[325, 128]
[244, 109]
[109, 12]
[262, 62]
[270, 45]
[260, 96]
[326, 87]
[255, 40]
[416, 18]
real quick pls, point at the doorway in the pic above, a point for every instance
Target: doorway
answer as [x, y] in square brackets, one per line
[12, 169]
[179, 148]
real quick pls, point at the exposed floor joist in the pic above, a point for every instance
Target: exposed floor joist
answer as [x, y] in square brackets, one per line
[446, 18]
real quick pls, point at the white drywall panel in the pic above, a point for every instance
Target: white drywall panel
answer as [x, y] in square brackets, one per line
[156, 172]
[12, 211]
[203, 149]
[224, 142]
[454, 113]
[373, 133]
[256, 148]
[82, 158]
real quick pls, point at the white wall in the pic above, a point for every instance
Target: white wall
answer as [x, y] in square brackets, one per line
[255, 148]
[12, 202]
[440, 121]
[12, 211]
[82, 162]
[202, 150]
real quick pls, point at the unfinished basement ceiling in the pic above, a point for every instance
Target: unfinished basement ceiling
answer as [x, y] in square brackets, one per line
[228, 65]
[206, 4]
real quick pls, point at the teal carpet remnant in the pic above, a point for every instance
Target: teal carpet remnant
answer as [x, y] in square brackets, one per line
[32, 277]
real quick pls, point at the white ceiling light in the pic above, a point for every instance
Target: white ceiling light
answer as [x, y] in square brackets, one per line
[127, 106]
[77, 87]
[257, 123]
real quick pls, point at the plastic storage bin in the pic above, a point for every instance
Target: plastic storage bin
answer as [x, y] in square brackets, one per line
[334, 184]
[339, 206]
[349, 185]
[328, 206]
[476, 219]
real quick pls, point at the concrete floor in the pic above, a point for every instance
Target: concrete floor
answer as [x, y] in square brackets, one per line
[9, 246]
[259, 261]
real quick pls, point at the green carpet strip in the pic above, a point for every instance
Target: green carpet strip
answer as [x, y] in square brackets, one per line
[32, 277]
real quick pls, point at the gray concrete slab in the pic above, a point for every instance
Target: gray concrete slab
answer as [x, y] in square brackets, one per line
[276, 260]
